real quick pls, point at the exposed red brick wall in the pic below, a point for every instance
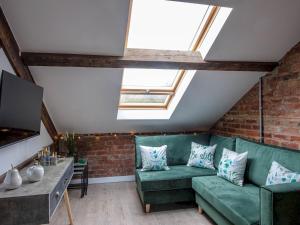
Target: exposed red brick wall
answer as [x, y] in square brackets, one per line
[281, 107]
[243, 119]
[108, 155]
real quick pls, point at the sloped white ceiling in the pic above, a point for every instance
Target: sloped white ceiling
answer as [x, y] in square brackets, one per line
[258, 30]
[69, 26]
[85, 100]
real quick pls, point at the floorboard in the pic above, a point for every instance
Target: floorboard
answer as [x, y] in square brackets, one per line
[119, 204]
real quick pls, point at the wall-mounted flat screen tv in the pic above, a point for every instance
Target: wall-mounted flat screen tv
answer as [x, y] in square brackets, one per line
[20, 109]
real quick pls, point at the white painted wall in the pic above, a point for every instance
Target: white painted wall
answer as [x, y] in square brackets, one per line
[19, 152]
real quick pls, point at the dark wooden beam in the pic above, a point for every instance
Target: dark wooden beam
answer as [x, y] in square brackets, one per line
[11, 49]
[144, 58]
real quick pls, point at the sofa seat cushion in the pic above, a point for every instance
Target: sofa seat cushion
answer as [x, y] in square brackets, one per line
[177, 177]
[240, 205]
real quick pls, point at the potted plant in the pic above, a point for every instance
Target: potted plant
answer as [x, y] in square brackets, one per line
[71, 145]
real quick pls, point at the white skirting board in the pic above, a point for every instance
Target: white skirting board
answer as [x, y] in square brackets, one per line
[103, 180]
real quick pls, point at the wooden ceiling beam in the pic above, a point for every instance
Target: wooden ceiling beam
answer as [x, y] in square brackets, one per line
[11, 49]
[144, 58]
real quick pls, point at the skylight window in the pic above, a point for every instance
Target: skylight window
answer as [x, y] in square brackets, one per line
[149, 78]
[165, 25]
[149, 88]
[161, 24]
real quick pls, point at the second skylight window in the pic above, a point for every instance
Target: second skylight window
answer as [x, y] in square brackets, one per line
[162, 25]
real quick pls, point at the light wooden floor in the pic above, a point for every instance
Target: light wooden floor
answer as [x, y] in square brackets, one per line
[119, 204]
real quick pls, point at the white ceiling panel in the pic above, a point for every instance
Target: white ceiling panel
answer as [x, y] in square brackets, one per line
[258, 30]
[69, 26]
[86, 100]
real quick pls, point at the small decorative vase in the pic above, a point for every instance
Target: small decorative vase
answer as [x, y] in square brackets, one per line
[12, 179]
[35, 173]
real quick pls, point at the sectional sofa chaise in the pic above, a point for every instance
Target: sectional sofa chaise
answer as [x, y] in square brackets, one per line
[226, 203]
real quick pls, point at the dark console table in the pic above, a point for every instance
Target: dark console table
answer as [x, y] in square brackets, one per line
[35, 203]
[81, 170]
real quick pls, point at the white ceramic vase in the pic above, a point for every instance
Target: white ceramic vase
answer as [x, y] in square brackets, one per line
[35, 173]
[12, 179]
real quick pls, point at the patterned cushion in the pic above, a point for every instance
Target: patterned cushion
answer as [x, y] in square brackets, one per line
[232, 166]
[281, 175]
[202, 156]
[154, 158]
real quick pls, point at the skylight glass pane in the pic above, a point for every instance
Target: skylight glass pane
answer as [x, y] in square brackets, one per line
[143, 78]
[161, 24]
[143, 99]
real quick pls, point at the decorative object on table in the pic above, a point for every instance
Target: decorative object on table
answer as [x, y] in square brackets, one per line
[35, 173]
[81, 170]
[71, 145]
[12, 180]
[53, 159]
[60, 158]
[47, 158]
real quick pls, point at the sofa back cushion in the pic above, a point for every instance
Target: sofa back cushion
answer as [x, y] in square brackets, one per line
[178, 150]
[221, 142]
[260, 158]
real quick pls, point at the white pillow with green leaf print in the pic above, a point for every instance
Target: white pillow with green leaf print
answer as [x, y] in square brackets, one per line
[232, 166]
[278, 174]
[154, 158]
[202, 156]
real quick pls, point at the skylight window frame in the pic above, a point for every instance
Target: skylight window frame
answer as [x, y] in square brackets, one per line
[154, 89]
[147, 105]
[170, 91]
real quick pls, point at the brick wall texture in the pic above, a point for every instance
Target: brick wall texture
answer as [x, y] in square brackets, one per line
[108, 155]
[281, 107]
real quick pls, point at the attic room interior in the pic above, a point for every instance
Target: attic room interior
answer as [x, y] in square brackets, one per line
[161, 112]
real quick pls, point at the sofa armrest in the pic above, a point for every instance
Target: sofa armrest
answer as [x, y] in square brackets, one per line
[280, 204]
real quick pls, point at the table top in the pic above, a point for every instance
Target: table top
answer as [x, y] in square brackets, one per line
[45, 186]
[78, 164]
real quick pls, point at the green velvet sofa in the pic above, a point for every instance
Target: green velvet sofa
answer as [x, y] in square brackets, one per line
[174, 185]
[254, 203]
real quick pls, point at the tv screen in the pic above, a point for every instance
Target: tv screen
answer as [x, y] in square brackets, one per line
[20, 109]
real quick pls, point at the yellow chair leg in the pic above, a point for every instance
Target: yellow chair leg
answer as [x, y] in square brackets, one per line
[67, 203]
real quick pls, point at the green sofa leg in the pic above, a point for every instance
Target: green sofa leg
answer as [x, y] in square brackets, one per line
[147, 208]
[200, 210]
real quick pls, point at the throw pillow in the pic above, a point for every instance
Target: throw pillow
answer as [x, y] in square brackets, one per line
[202, 156]
[232, 166]
[154, 158]
[278, 174]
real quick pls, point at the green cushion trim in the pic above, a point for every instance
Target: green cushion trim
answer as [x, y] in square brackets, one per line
[222, 142]
[178, 177]
[179, 146]
[240, 205]
[283, 188]
[212, 212]
[266, 207]
[260, 158]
